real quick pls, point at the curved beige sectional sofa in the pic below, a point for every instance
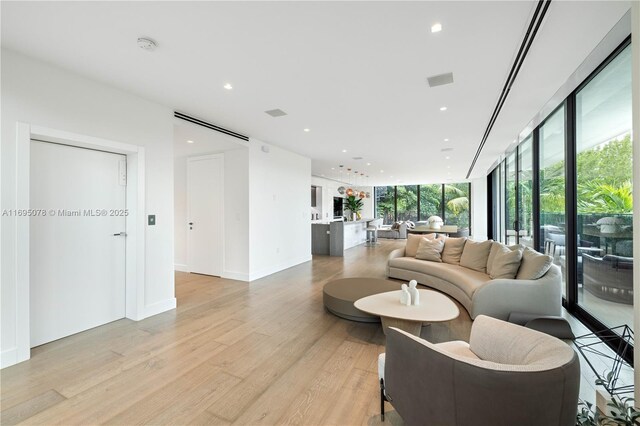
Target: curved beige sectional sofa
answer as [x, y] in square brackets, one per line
[478, 292]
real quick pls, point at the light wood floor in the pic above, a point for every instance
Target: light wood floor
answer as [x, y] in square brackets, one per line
[231, 353]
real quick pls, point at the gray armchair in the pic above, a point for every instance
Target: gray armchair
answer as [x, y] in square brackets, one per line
[507, 375]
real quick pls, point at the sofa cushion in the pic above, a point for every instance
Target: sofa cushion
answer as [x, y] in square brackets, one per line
[465, 279]
[453, 250]
[495, 247]
[506, 261]
[534, 265]
[413, 241]
[475, 255]
[430, 249]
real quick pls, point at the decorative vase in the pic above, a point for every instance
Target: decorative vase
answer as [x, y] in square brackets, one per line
[354, 216]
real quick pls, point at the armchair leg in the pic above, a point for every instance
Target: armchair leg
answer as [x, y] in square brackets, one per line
[382, 399]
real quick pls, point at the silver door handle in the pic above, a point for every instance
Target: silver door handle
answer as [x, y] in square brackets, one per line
[120, 234]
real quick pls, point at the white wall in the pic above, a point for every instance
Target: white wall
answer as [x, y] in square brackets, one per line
[180, 213]
[279, 215]
[479, 208]
[236, 213]
[635, 46]
[39, 94]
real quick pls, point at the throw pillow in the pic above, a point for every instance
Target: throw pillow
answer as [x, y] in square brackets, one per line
[505, 262]
[413, 241]
[495, 247]
[475, 255]
[534, 265]
[430, 249]
[453, 250]
[395, 226]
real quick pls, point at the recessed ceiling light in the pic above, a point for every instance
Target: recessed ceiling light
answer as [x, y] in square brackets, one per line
[368, 164]
[446, 140]
[333, 168]
[189, 141]
[344, 150]
[444, 108]
[228, 86]
[436, 28]
[391, 176]
[307, 130]
[381, 171]
[447, 157]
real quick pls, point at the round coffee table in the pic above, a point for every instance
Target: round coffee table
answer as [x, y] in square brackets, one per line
[433, 307]
[338, 296]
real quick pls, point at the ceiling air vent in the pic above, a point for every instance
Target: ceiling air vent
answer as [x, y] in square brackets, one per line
[276, 112]
[440, 79]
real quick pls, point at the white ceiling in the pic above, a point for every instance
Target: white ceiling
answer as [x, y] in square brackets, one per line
[354, 73]
[203, 140]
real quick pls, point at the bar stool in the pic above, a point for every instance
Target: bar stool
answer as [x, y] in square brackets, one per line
[372, 236]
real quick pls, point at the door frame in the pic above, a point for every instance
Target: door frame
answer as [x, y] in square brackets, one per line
[222, 216]
[135, 223]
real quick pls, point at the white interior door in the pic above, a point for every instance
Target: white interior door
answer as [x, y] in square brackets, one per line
[77, 264]
[205, 214]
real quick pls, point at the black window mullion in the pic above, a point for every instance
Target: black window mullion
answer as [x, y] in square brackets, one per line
[395, 203]
[518, 206]
[442, 209]
[418, 215]
[535, 196]
[571, 199]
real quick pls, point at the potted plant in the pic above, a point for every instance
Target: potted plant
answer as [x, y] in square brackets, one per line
[354, 205]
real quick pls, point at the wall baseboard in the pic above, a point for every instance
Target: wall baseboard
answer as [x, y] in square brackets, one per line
[8, 357]
[180, 267]
[279, 267]
[159, 307]
[238, 276]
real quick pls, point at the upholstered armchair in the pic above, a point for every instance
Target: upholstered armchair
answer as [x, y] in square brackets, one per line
[506, 375]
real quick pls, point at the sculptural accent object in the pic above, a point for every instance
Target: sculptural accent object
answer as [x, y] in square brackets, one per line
[414, 293]
[405, 296]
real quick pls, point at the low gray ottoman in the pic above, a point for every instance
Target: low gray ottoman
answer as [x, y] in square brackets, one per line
[339, 295]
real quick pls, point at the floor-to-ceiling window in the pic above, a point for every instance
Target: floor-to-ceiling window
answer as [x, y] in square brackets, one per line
[407, 202]
[385, 203]
[581, 203]
[417, 203]
[525, 192]
[604, 177]
[510, 200]
[456, 202]
[552, 189]
[430, 201]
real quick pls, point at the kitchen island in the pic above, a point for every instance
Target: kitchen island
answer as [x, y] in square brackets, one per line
[333, 238]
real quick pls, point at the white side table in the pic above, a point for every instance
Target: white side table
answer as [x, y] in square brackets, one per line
[433, 307]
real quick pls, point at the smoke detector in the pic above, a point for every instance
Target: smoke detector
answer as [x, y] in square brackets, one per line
[147, 44]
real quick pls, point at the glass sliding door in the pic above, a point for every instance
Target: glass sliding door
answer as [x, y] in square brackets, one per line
[511, 218]
[552, 190]
[525, 192]
[604, 174]
[385, 204]
[456, 202]
[430, 201]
